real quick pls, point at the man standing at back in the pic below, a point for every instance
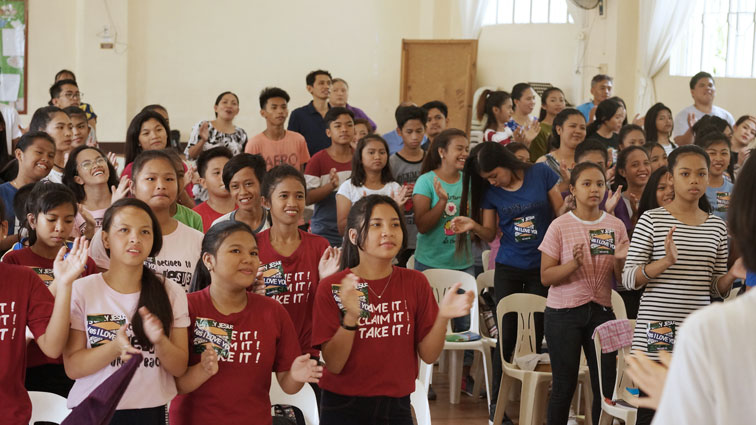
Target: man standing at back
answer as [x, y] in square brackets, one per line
[602, 86]
[702, 90]
[308, 120]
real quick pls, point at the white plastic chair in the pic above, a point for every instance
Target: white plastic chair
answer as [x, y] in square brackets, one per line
[626, 413]
[47, 407]
[411, 262]
[618, 306]
[305, 400]
[534, 383]
[441, 280]
[425, 373]
[483, 281]
[485, 256]
[419, 402]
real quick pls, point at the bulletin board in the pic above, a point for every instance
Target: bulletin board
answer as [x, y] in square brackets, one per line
[14, 25]
[442, 70]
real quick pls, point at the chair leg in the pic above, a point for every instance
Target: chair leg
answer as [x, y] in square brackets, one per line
[442, 364]
[541, 404]
[528, 401]
[605, 418]
[455, 374]
[487, 372]
[503, 399]
[476, 371]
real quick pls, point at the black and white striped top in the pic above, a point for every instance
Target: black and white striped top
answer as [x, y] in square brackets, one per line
[687, 285]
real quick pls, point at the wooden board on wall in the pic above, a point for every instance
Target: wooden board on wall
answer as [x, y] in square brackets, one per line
[442, 70]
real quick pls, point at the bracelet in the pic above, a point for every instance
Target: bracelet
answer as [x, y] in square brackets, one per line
[643, 272]
[349, 328]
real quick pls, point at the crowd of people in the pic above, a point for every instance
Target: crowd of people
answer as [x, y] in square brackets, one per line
[237, 257]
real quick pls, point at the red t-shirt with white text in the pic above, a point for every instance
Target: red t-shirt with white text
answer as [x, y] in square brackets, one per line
[44, 269]
[383, 360]
[302, 277]
[208, 214]
[253, 343]
[24, 301]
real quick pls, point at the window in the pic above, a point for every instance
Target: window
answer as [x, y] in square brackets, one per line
[719, 40]
[527, 12]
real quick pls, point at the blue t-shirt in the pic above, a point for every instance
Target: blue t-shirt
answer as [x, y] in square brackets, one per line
[524, 216]
[719, 199]
[585, 108]
[750, 278]
[7, 193]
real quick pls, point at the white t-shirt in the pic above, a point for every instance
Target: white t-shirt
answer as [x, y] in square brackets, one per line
[264, 223]
[354, 193]
[681, 119]
[99, 311]
[12, 120]
[176, 260]
[712, 377]
[54, 176]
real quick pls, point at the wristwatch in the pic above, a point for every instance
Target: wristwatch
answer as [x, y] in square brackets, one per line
[349, 328]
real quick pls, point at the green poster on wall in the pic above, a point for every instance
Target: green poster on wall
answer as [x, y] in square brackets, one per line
[13, 37]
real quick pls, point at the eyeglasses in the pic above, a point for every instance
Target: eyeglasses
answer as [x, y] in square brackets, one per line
[73, 95]
[87, 165]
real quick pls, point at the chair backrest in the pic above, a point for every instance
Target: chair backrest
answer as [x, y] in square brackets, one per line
[484, 256]
[47, 407]
[441, 280]
[419, 402]
[485, 280]
[305, 400]
[411, 262]
[622, 380]
[425, 373]
[525, 305]
[618, 305]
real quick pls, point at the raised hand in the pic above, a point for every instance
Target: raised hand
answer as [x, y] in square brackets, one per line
[152, 326]
[610, 175]
[68, 268]
[440, 191]
[204, 131]
[670, 248]
[350, 296]
[461, 224]
[209, 360]
[620, 250]
[113, 159]
[333, 178]
[304, 369]
[612, 199]
[564, 171]
[639, 120]
[568, 204]
[89, 223]
[649, 376]
[577, 254]
[401, 197]
[691, 119]
[329, 262]
[124, 344]
[454, 304]
[122, 191]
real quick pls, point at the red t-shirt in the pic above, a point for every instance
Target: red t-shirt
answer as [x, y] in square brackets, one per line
[44, 269]
[208, 214]
[302, 277]
[254, 342]
[383, 360]
[24, 301]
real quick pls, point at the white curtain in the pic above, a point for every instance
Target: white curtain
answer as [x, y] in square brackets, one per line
[660, 23]
[471, 15]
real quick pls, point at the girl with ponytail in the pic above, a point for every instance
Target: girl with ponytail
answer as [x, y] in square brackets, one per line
[497, 107]
[127, 310]
[238, 337]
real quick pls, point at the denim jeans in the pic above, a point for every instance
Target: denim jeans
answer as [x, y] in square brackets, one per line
[507, 281]
[567, 331]
[337, 409]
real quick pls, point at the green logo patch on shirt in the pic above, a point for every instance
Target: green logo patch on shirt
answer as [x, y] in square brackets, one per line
[525, 229]
[216, 333]
[602, 241]
[723, 201]
[102, 328]
[661, 335]
[274, 279]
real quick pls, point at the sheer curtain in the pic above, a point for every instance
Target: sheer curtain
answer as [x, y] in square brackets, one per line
[471, 14]
[660, 23]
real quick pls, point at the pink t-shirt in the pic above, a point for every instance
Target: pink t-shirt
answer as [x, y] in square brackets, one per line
[593, 280]
[176, 260]
[79, 222]
[99, 311]
[291, 150]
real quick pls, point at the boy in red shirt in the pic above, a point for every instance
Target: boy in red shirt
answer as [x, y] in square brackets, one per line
[219, 202]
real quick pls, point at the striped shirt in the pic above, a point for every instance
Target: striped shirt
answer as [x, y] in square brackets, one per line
[684, 287]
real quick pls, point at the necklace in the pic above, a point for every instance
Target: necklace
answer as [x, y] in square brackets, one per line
[385, 287]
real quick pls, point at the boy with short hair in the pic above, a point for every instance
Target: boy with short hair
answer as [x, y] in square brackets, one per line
[81, 129]
[276, 144]
[326, 170]
[703, 91]
[65, 93]
[438, 119]
[309, 120]
[393, 138]
[210, 168]
[406, 166]
[243, 175]
[717, 146]
[601, 89]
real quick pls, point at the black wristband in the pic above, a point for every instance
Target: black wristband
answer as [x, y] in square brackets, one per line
[349, 328]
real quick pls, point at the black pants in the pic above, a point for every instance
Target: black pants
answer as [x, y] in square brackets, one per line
[567, 331]
[632, 302]
[48, 378]
[149, 416]
[336, 409]
[507, 281]
[645, 416]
